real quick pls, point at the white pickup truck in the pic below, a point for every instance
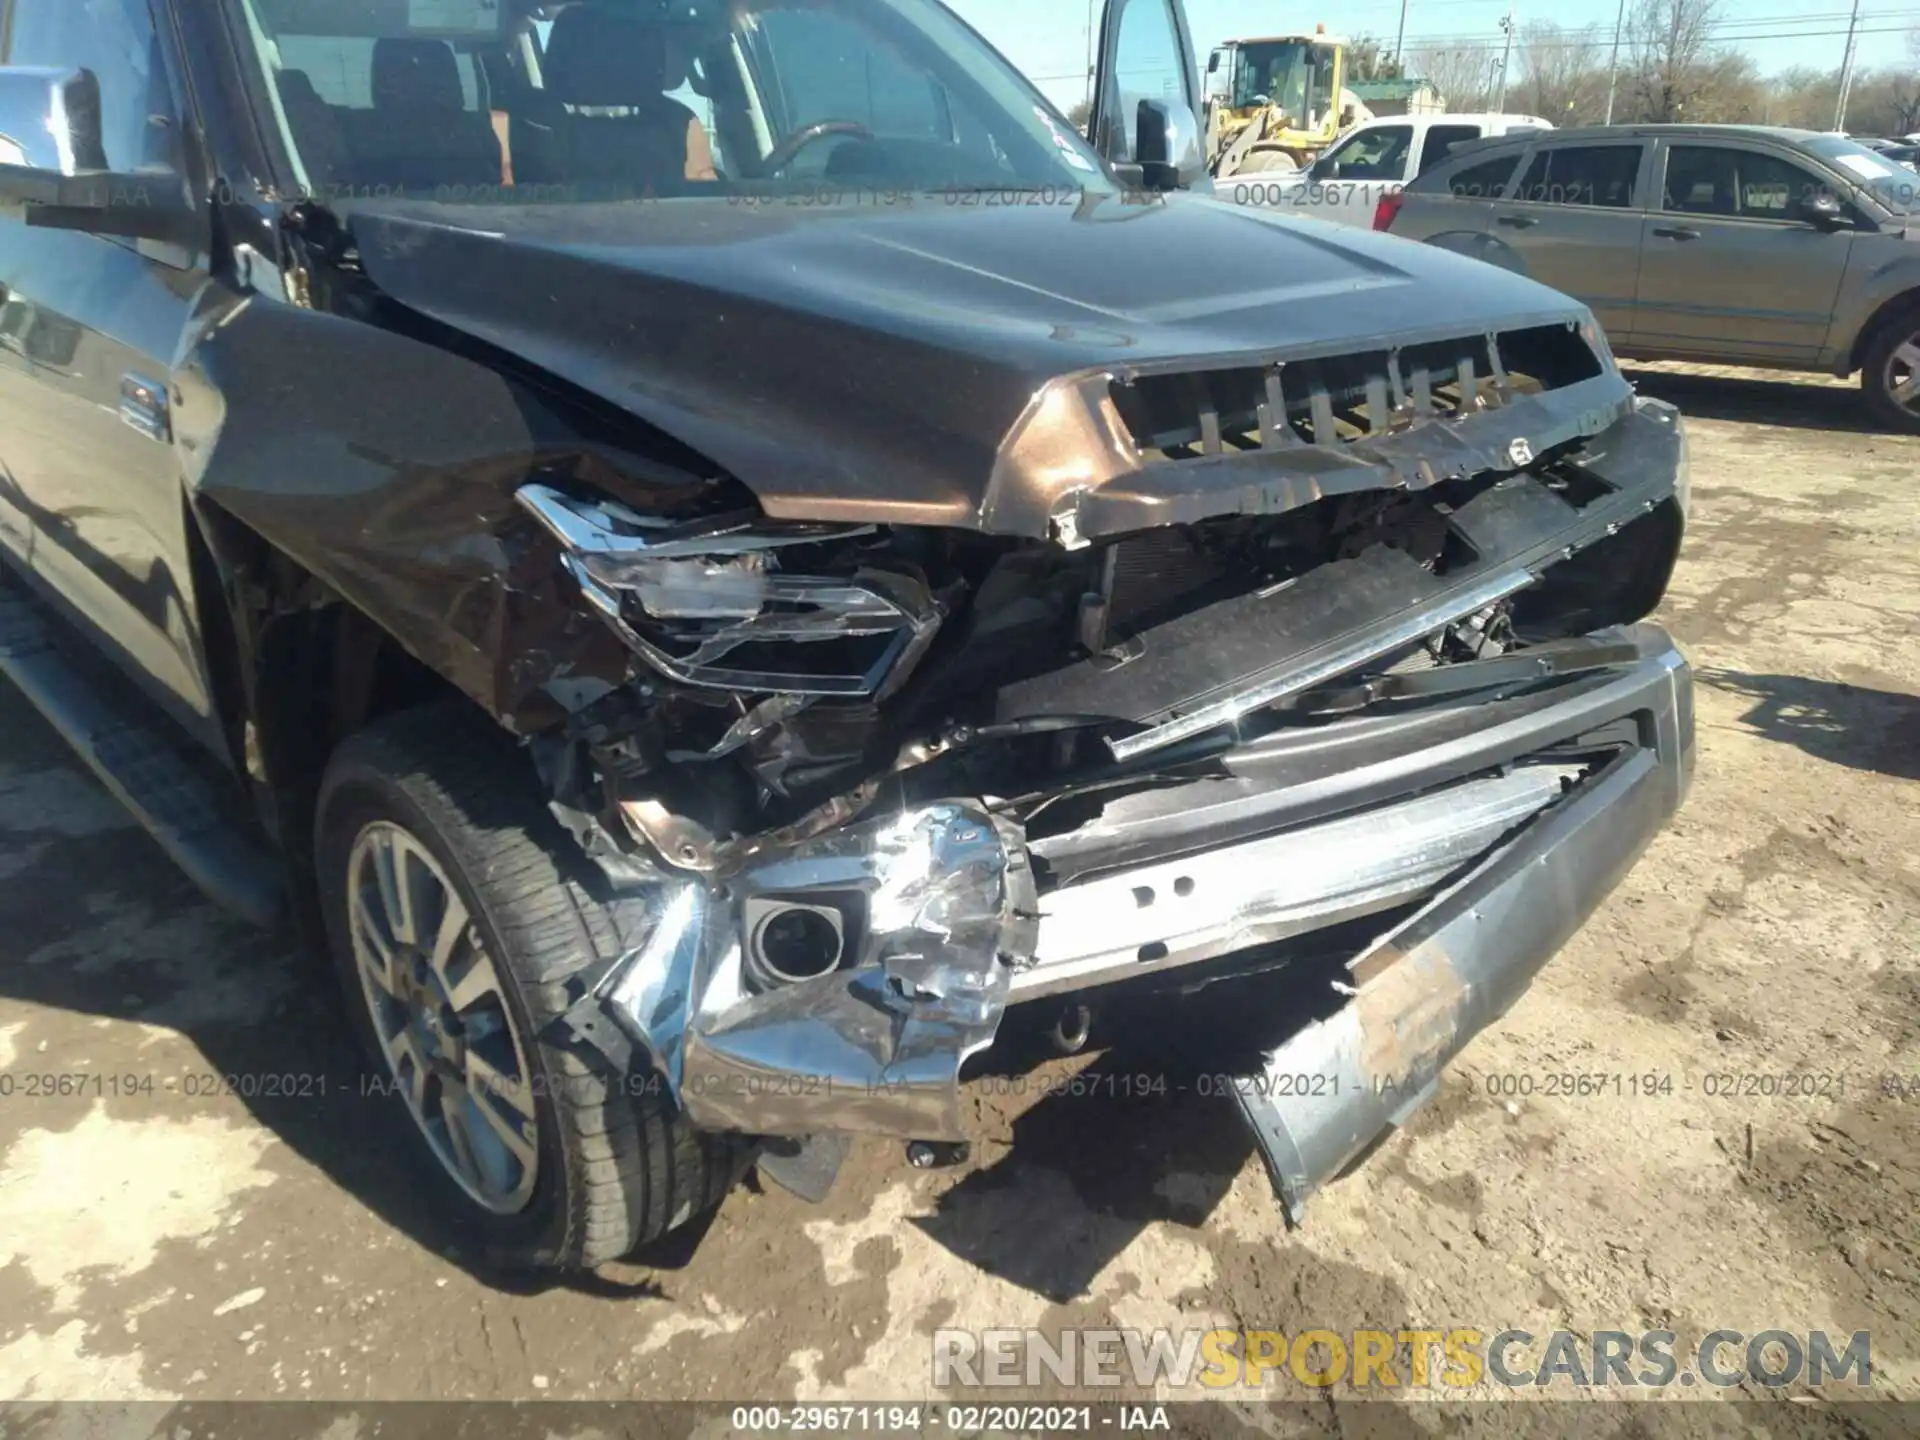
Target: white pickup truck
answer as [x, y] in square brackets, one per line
[1370, 161]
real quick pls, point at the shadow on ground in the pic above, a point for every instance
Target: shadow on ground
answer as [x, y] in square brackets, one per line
[1147, 1132]
[1863, 729]
[131, 940]
[1761, 399]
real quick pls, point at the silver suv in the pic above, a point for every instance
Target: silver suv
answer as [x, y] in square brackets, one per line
[1741, 244]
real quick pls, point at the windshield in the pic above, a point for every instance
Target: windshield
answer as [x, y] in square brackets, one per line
[515, 101]
[1275, 70]
[1891, 183]
[1291, 74]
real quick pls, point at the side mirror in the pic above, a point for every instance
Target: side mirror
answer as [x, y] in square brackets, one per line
[50, 121]
[1823, 211]
[1167, 145]
[53, 165]
[1324, 170]
[1213, 62]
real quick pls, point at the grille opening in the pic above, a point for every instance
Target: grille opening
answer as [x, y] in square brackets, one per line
[1332, 400]
[1156, 575]
[1575, 484]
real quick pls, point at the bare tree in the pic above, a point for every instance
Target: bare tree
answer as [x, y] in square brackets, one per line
[1670, 44]
[1887, 101]
[1801, 97]
[1465, 76]
[1563, 74]
[1368, 58]
[1728, 90]
[1689, 78]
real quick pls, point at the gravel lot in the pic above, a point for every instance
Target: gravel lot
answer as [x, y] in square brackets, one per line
[188, 1243]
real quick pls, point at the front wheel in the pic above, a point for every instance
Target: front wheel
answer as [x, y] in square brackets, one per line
[1268, 162]
[457, 916]
[1890, 372]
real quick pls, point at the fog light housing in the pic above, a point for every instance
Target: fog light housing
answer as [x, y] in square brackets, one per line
[789, 941]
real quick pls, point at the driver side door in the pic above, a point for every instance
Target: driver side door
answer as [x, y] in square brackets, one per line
[1146, 54]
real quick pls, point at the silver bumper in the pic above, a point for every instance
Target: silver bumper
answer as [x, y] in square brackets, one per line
[944, 929]
[1421, 992]
[1159, 917]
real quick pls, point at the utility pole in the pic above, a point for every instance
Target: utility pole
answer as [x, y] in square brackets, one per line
[1092, 65]
[1846, 72]
[1613, 66]
[1506, 56]
[1400, 39]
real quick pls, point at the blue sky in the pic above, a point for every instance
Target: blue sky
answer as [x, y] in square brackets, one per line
[1049, 41]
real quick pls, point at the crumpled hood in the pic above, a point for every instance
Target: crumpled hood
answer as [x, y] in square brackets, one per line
[871, 359]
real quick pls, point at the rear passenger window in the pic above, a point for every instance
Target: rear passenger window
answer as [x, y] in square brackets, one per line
[1600, 175]
[1485, 181]
[1440, 142]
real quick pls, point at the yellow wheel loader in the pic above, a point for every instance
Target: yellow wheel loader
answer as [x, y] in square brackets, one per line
[1277, 102]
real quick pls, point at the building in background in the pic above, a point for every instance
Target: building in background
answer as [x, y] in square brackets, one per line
[1399, 97]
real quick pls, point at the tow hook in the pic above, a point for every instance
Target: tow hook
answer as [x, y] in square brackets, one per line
[937, 1154]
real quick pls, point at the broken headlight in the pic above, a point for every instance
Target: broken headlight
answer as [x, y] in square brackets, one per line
[721, 603]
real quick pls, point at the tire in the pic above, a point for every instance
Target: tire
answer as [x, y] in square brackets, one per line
[612, 1164]
[1891, 360]
[1267, 162]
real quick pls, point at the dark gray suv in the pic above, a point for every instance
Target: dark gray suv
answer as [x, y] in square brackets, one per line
[1732, 243]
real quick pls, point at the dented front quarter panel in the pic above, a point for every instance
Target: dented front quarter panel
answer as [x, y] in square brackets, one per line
[387, 467]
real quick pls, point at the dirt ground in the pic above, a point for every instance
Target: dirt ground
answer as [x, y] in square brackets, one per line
[178, 1241]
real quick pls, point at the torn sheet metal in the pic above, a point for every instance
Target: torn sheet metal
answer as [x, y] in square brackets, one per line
[1423, 991]
[1210, 666]
[939, 911]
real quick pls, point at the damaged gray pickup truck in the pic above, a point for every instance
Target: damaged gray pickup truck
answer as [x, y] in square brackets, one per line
[728, 548]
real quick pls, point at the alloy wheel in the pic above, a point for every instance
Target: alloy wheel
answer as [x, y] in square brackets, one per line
[1901, 378]
[445, 1029]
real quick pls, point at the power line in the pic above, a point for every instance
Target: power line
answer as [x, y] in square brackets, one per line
[1418, 44]
[1732, 30]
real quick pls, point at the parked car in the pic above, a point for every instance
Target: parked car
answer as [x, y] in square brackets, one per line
[823, 558]
[1726, 243]
[1370, 161]
[1905, 155]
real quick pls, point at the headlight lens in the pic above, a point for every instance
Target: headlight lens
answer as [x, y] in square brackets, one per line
[712, 604]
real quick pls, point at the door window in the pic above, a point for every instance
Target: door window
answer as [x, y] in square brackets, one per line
[1379, 154]
[1440, 142]
[1715, 180]
[1147, 65]
[1485, 181]
[115, 40]
[1586, 175]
